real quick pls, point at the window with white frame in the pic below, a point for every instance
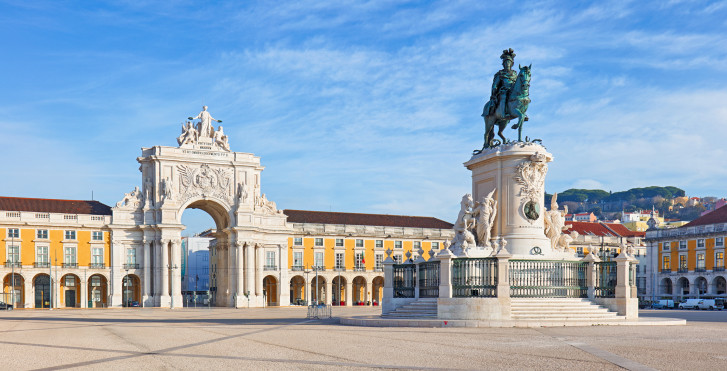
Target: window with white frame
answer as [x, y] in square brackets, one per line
[298, 241]
[69, 254]
[297, 258]
[270, 259]
[719, 259]
[359, 243]
[41, 234]
[318, 242]
[682, 262]
[13, 254]
[379, 262]
[435, 246]
[700, 261]
[41, 254]
[318, 261]
[397, 258]
[359, 260]
[70, 235]
[13, 233]
[70, 281]
[682, 245]
[666, 263]
[700, 243]
[131, 256]
[339, 242]
[379, 244]
[719, 241]
[397, 244]
[417, 246]
[97, 236]
[665, 246]
[339, 260]
[97, 255]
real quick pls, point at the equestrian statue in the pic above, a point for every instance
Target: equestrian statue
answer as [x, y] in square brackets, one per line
[509, 99]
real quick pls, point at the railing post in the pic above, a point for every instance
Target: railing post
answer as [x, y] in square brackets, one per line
[591, 274]
[503, 275]
[627, 305]
[445, 273]
[387, 304]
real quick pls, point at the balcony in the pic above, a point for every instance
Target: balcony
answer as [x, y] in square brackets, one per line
[70, 265]
[379, 269]
[666, 270]
[700, 269]
[718, 269]
[359, 269]
[13, 264]
[131, 266]
[297, 268]
[339, 269]
[270, 267]
[318, 268]
[97, 265]
[41, 264]
[683, 270]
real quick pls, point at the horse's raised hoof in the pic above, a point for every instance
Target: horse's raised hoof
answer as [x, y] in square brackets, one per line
[515, 126]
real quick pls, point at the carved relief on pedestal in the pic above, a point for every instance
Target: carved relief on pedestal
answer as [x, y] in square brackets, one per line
[531, 177]
[204, 181]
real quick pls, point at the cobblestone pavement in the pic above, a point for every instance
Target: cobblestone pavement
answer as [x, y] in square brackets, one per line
[281, 338]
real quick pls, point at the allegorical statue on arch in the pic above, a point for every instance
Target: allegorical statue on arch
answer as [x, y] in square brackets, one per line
[203, 135]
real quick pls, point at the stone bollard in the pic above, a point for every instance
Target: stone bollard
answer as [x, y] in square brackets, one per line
[627, 304]
[445, 273]
[387, 304]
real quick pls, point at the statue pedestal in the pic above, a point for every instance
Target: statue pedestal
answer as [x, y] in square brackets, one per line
[517, 172]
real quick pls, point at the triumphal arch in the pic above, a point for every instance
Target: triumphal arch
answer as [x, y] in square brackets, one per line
[201, 173]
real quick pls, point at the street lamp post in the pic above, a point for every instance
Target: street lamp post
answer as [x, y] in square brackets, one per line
[12, 280]
[196, 281]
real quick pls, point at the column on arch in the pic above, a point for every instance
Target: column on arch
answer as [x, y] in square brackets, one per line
[329, 290]
[240, 268]
[249, 253]
[147, 270]
[164, 294]
[349, 291]
[176, 274]
[258, 269]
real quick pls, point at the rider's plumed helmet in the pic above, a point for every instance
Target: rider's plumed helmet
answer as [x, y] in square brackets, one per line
[508, 54]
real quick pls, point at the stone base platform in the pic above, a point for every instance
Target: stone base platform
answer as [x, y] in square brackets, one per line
[378, 321]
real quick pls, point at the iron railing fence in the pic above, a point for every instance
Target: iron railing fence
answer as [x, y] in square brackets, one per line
[548, 279]
[319, 312]
[474, 277]
[404, 280]
[429, 280]
[605, 285]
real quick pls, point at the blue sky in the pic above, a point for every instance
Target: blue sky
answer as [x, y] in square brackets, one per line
[361, 106]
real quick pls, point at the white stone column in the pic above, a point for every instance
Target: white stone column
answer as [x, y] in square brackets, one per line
[258, 270]
[249, 254]
[164, 294]
[283, 277]
[231, 273]
[147, 273]
[83, 287]
[349, 292]
[445, 274]
[329, 290]
[176, 276]
[114, 291]
[28, 293]
[240, 271]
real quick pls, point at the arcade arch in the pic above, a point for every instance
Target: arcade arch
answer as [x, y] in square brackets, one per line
[270, 287]
[14, 290]
[683, 286]
[70, 294]
[719, 286]
[297, 290]
[701, 285]
[97, 291]
[41, 287]
[377, 290]
[666, 287]
[131, 284]
[318, 290]
[338, 291]
[360, 293]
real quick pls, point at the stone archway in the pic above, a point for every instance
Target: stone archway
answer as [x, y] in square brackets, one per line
[318, 290]
[297, 290]
[42, 290]
[270, 287]
[338, 291]
[131, 290]
[377, 290]
[97, 291]
[70, 293]
[14, 290]
[666, 287]
[701, 286]
[719, 286]
[360, 293]
[202, 173]
[683, 287]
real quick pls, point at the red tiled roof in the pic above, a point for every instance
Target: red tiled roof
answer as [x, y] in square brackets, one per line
[602, 229]
[716, 216]
[42, 205]
[325, 217]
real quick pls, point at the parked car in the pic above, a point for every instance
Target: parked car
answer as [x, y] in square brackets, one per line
[6, 306]
[690, 304]
[663, 304]
[134, 304]
[711, 304]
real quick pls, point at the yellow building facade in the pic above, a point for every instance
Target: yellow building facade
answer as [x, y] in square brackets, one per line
[57, 259]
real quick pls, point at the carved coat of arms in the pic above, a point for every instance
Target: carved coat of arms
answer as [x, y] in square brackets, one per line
[204, 181]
